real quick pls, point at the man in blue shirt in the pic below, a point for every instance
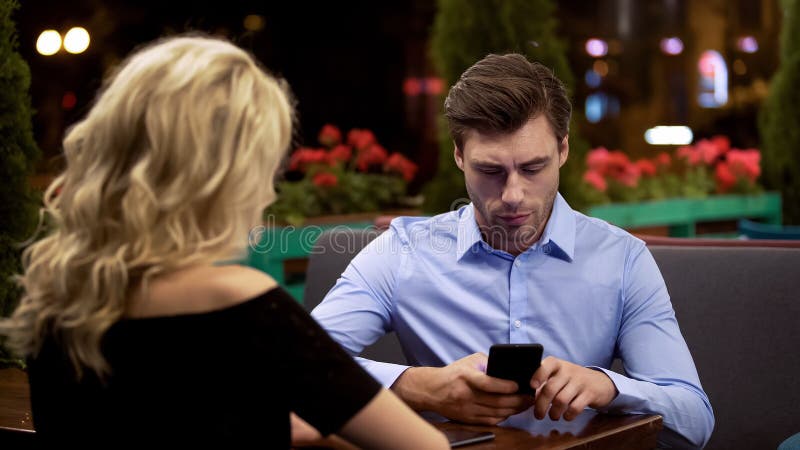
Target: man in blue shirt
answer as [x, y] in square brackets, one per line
[518, 265]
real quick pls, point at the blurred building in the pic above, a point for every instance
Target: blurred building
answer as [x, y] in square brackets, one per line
[704, 64]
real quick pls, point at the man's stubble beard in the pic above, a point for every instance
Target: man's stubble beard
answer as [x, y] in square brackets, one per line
[519, 240]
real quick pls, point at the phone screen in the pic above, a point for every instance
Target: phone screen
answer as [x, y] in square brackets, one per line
[515, 362]
[460, 438]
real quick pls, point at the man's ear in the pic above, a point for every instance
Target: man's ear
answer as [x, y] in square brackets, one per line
[458, 154]
[563, 151]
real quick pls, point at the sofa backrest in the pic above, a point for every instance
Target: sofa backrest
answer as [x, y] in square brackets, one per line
[738, 309]
[329, 257]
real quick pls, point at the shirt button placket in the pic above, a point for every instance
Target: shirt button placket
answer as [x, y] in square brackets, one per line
[517, 308]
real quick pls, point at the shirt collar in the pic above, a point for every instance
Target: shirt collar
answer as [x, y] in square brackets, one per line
[468, 233]
[559, 231]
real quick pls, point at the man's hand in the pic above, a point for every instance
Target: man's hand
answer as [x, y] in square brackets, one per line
[566, 389]
[461, 391]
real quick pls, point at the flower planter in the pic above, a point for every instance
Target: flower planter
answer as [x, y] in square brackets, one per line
[682, 215]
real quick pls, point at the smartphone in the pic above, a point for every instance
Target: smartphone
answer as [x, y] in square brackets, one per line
[515, 362]
[459, 438]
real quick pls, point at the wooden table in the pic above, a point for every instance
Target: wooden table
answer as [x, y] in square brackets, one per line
[589, 431]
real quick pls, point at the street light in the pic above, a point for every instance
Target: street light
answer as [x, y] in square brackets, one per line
[48, 43]
[76, 40]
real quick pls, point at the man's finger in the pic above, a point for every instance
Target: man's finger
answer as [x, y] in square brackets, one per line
[547, 369]
[562, 400]
[503, 401]
[502, 413]
[490, 420]
[546, 395]
[483, 382]
[577, 406]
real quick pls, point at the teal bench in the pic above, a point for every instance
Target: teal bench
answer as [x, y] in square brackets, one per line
[682, 215]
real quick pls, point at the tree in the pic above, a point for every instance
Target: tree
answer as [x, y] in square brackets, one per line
[780, 114]
[18, 154]
[464, 32]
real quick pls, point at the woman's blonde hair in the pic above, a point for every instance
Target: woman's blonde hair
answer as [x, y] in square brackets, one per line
[171, 167]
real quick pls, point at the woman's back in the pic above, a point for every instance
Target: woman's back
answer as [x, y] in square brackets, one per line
[232, 373]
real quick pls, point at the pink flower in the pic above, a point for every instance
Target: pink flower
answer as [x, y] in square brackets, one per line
[689, 153]
[646, 167]
[622, 169]
[709, 151]
[372, 155]
[630, 176]
[723, 143]
[745, 163]
[325, 179]
[596, 180]
[304, 157]
[339, 154]
[329, 136]
[724, 176]
[398, 163]
[597, 159]
[360, 139]
[663, 159]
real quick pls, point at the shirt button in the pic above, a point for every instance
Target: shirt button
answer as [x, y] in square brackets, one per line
[517, 324]
[516, 263]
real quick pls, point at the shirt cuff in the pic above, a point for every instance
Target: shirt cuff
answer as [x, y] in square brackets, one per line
[385, 373]
[627, 399]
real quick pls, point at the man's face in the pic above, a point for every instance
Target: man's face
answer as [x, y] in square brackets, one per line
[512, 180]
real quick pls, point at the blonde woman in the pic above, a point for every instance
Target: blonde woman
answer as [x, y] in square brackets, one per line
[131, 330]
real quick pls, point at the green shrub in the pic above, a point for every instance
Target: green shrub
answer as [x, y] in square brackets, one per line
[780, 116]
[464, 32]
[18, 154]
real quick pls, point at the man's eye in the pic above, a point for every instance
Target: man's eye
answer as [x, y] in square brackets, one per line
[532, 170]
[490, 171]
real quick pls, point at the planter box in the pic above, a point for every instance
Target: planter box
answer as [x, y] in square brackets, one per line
[682, 215]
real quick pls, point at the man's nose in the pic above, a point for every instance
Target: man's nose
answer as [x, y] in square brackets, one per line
[513, 191]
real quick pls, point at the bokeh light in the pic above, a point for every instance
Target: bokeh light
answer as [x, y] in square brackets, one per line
[592, 78]
[747, 44]
[596, 47]
[669, 135]
[254, 22]
[48, 43]
[69, 100]
[76, 40]
[601, 67]
[671, 46]
[739, 67]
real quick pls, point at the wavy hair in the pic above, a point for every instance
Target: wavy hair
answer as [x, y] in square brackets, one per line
[172, 166]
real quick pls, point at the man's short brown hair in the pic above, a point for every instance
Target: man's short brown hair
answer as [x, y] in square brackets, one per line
[500, 93]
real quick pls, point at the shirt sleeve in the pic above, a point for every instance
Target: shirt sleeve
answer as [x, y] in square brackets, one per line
[662, 378]
[359, 308]
[327, 388]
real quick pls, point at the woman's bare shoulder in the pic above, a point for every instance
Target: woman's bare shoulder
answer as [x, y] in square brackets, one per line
[200, 289]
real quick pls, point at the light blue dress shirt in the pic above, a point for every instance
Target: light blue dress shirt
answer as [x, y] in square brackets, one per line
[588, 291]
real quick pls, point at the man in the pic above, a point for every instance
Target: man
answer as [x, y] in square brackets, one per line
[518, 265]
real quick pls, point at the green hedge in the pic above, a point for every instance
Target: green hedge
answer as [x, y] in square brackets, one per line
[464, 32]
[18, 154]
[780, 116]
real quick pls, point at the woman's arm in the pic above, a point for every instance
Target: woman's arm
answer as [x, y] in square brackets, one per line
[387, 423]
